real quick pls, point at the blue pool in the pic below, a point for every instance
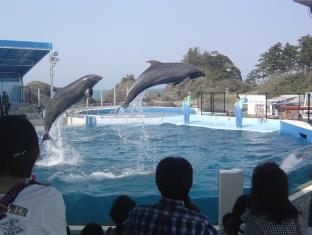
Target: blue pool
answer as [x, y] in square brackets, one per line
[91, 166]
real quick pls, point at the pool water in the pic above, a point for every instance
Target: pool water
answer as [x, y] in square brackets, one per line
[91, 166]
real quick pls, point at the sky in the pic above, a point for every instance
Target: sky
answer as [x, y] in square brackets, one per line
[114, 38]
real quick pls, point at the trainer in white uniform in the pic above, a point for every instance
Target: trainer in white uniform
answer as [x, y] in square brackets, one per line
[26, 207]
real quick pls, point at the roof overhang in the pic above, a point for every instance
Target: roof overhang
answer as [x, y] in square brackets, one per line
[18, 57]
[307, 3]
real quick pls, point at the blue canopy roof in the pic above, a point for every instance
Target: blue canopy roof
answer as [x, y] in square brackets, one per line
[18, 57]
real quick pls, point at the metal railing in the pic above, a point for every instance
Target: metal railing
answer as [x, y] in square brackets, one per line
[28, 97]
[265, 105]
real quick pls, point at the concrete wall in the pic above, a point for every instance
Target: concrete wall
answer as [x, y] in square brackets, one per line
[297, 129]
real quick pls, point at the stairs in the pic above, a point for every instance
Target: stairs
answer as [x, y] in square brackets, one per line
[29, 111]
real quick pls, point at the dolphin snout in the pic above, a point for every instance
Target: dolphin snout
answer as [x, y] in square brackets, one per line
[95, 78]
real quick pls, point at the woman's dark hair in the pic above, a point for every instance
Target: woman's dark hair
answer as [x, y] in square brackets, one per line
[189, 205]
[232, 224]
[269, 193]
[121, 208]
[174, 177]
[18, 145]
[92, 229]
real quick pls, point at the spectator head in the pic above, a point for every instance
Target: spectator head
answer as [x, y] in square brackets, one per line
[269, 193]
[174, 177]
[18, 145]
[121, 208]
[92, 229]
[226, 221]
[68, 230]
[241, 205]
[232, 223]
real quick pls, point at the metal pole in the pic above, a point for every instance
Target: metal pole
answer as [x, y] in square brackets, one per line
[309, 97]
[101, 97]
[114, 96]
[224, 102]
[266, 103]
[38, 97]
[201, 103]
[51, 75]
[210, 103]
[298, 106]
[213, 101]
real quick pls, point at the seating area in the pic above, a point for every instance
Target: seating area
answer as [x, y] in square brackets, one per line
[266, 210]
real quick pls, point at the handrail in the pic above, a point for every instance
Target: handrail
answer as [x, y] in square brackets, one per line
[33, 101]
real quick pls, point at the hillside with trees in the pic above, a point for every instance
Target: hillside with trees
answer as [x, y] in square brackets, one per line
[221, 75]
[284, 68]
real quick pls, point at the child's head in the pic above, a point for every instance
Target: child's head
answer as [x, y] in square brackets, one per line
[121, 208]
[18, 145]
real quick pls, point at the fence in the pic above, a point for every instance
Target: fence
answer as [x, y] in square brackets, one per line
[268, 105]
[28, 97]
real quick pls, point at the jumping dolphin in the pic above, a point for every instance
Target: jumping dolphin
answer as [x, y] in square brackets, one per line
[66, 97]
[161, 73]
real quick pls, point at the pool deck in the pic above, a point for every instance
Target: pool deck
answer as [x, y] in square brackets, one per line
[227, 123]
[203, 121]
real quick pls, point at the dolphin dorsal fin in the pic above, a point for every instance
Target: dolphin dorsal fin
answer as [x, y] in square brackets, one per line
[154, 62]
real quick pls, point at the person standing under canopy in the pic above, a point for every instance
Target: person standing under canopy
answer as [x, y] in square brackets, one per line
[5, 103]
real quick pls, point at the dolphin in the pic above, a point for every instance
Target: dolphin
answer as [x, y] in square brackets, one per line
[66, 97]
[161, 73]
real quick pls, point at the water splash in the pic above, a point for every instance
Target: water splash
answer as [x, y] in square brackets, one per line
[56, 151]
[297, 159]
[100, 175]
[140, 139]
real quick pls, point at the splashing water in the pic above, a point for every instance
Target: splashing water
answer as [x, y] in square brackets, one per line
[297, 159]
[141, 138]
[56, 151]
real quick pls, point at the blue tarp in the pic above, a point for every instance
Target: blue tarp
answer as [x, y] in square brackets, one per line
[18, 57]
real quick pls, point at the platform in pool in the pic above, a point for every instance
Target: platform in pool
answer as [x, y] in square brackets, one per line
[204, 121]
[227, 123]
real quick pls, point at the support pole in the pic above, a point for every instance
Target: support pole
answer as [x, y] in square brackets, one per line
[309, 107]
[114, 96]
[101, 97]
[51, 75]
[201, 103]
[38, 97]
[266, 105]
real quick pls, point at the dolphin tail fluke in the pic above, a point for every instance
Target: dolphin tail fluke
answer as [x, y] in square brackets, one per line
[119, 108]
[46, 136]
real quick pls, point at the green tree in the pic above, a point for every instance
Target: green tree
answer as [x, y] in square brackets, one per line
[272, 61]
[290, 58]
[219, 66]
[193, 56]
[305, 53]
[256, 77]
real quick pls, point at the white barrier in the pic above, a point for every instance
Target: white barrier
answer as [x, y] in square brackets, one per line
[230, 188]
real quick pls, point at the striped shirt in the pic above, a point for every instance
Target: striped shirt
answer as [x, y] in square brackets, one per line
[167, 217]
